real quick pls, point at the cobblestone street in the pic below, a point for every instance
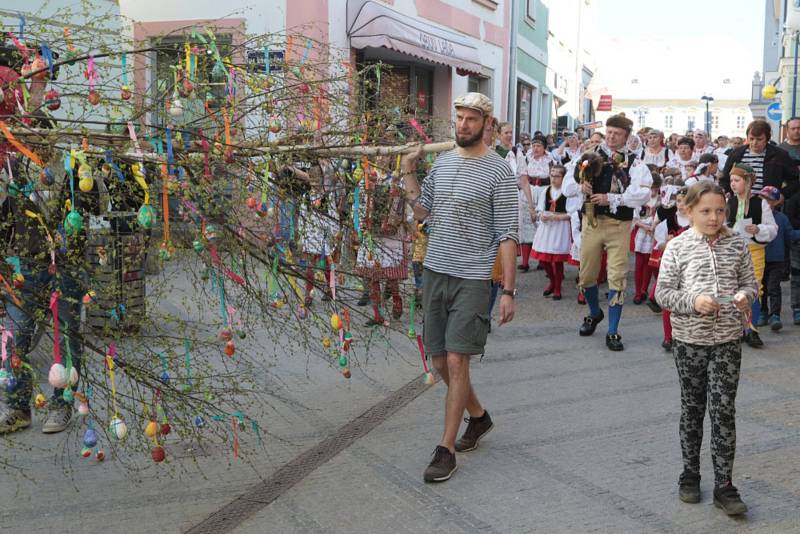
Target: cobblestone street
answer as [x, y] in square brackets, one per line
[585, 440]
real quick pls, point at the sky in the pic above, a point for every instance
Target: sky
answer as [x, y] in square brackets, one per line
[678, 48]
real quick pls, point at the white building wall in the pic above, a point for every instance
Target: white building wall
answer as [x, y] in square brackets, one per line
[728, 117]
[571, 33]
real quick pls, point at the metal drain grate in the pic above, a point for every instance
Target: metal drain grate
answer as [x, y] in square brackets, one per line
[237, 511]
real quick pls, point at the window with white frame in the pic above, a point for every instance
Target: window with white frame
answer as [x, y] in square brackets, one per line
[667, 121]
[739, 122]
[690, 122]
[715, 122]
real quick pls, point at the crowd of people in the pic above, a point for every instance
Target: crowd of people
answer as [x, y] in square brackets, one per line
[709, 225]
[550, 219]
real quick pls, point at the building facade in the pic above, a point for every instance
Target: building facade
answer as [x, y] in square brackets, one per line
[728, 117]
[531, 99]
[433, 50]
[774, 18]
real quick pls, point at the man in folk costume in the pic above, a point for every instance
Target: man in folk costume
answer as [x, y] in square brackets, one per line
[610, 196]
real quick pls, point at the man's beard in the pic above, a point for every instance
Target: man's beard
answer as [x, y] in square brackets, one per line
[470, 141]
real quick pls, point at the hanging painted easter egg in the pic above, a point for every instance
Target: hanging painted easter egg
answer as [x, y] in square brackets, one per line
[46, 177]
[57, 376]
[164, 377]
[346, 372]
[39, 401]
[252, 203]
[126, 93]
[336, 322]
[274, 125]
[73, 224]
[101, 455]
[165, 429]
[85, 180]
[68, 395]
[151, 429]
[158, 454]
[83, 409]
[326, 342]
[343, 361]
[225, 334]
[86, 452]
[16, 362]
[429, 378]
[198, 245]
[52, 100]
[230, 348]
[146, 216]
[11, 383]
[176, 108]
[302, 313]
[19, 280]
[199, 422]
[90, 438]
[188, 86]
[4, 377]
[118, 428]
[211, 233]
[94, 97]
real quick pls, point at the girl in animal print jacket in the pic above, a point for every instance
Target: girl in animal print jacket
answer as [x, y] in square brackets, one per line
[707, 282]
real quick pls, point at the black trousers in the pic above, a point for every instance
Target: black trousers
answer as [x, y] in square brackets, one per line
[774, 272]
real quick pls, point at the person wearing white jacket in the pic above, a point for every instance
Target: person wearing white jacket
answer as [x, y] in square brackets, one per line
[611, 183]
[751, 217]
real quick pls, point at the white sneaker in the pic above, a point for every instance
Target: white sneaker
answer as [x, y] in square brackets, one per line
[57, 419]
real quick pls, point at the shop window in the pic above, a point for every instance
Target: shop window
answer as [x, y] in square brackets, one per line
[405, 90]
[169, 53]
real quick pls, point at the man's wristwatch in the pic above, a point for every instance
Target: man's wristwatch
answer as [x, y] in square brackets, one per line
[510, 292]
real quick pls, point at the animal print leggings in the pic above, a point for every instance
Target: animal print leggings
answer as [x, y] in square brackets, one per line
[708, 373]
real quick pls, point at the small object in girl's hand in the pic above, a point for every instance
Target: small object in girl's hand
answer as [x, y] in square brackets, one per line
[723, 299]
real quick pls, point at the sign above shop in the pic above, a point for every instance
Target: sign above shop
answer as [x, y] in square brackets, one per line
[605, 103]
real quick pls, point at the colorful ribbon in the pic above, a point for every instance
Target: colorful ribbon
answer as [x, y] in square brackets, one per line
[22, 149]
[56, 326]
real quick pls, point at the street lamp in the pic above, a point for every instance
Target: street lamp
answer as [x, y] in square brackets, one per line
[708, 100]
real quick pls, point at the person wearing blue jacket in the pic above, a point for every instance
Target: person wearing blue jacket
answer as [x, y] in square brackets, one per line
[776, 253]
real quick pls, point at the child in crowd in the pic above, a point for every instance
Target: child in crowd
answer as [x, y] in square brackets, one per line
[552, 243]
[751, 217]
[776, 254]
[707, 282]
[666, 230]
[666, 212]
[642, 243]
[707, 168]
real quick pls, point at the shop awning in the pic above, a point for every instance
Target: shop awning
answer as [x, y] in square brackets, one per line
[371, 24]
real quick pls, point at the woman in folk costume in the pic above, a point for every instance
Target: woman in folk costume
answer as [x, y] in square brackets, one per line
[643, 241]
[634, 145]
[751, 216]
[553, 240]
[507, 149]
[532, 182]
[382, 256]
[656, 153]
[570, 149]
[318, 227]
